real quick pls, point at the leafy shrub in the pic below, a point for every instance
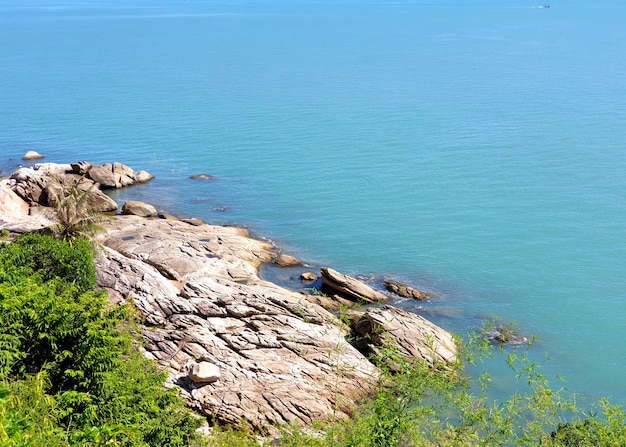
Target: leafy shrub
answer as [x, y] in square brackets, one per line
[49, 259]
[98, 387]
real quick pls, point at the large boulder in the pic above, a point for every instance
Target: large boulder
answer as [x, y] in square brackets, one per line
[287, 261]
[96, 200]
[16, 216]
[349, 287]
[139, 208]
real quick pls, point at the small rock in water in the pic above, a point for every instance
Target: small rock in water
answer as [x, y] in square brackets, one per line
[406, 291]
[504, 334]
[308, 277]
[205, 177]
[32, 155]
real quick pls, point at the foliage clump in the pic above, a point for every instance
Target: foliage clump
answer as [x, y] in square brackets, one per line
[76, 209]
[69, 372]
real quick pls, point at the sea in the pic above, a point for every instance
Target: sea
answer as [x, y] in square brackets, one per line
[473, 149]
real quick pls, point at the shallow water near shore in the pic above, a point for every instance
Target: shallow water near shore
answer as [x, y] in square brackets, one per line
[471, 149]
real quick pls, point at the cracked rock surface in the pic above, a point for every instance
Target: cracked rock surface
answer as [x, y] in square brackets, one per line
[280, 358]
[237, 347]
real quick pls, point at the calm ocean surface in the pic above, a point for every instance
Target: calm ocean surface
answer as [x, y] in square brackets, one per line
[474, 149]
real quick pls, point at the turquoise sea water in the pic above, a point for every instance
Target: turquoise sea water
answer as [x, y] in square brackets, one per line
[475, 149]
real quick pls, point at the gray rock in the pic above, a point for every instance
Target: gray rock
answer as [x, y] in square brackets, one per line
[12, 206]
[103, 175]
[116, 175]
[30, 182]
[138, 208]
[406, 291]
[416, 337]
[350, 287]
[41, 184]
[505, 335]
[308, 277]
[205, 177]
[142, 177]
[281, 358]
[81, 167]
[32, 155]
[97, 200]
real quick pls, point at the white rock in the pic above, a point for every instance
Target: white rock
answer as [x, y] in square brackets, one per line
[32, 155]
[203, 372]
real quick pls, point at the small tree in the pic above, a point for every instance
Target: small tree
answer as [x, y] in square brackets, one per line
[76, 211]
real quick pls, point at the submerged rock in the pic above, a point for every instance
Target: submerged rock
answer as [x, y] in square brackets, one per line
[505, 334]
[406, 291]
[204, 177]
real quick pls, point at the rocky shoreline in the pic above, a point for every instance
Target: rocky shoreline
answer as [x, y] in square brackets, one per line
[239, 348]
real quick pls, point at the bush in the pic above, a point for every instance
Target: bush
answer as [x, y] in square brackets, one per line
[97, 387]
[50, 258]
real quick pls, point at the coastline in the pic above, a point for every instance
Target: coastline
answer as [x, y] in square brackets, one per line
[273, 355]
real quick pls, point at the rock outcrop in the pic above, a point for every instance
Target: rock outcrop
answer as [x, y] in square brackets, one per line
[16, 215]
[111, 175]
[39, 185]
[414, 336]
[280, 358]
[349, 287]
[12, 206]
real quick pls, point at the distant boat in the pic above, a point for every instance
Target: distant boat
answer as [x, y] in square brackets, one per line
[545, 6]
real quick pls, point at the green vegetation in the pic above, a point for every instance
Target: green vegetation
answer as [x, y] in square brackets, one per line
[76, 211]
[70, 375]
[69, 372]
[424, 407]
